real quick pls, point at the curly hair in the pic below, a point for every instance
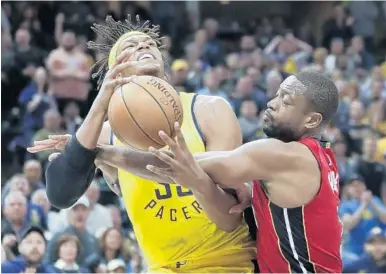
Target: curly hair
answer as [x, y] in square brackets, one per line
[111, 32]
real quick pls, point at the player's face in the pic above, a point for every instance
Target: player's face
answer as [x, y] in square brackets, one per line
[144, 49]
[287, 117]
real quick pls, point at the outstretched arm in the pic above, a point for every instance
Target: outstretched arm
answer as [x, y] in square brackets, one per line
[268, 159]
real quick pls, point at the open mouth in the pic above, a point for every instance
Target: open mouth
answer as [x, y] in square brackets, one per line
[145, 56]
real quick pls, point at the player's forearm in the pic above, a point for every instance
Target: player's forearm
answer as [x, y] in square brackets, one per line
[91, 128]
[132, 161]
[216, 204]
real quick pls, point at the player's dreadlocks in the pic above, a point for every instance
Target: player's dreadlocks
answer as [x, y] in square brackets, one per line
[111, 32]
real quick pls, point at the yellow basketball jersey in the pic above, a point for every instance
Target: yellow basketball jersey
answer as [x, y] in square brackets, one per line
[172, 230]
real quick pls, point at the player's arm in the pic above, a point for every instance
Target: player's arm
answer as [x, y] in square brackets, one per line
[222, 132]
[267, 159]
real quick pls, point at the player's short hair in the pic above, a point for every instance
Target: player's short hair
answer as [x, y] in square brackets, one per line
[321, 93]
[111, 32]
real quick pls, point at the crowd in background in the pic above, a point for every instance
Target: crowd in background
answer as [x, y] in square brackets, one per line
[47, 89]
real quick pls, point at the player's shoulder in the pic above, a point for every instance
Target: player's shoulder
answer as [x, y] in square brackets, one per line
[210, 102]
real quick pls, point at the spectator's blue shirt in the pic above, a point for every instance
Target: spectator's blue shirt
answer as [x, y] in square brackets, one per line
[32, 120]
[53, 269]
[35, 216]
[365, 264]
[357, 236]
[18, 265]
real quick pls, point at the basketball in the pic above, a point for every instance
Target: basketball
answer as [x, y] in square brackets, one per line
[140, 109]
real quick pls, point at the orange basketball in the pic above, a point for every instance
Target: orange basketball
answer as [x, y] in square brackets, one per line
[140, 109]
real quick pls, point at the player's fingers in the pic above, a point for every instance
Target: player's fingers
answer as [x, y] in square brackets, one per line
[168, 141]
[180, 138]
[39, 148]
[121, 67]
[121, 57]
[163, 157]
[60, 137]
[47, 142]
[160, 171]
[53, 156]
[120, 81]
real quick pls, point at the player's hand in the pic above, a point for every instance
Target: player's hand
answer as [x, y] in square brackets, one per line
[58, 142]
[120, 74]
[183, 168]
[244, 196]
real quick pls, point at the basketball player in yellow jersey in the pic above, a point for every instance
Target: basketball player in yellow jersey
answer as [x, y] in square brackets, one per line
[178, 229]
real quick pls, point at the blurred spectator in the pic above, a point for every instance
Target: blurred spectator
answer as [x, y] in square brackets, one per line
[336, 49]
[212, 50]
[77, 218]
[360, 57]
[244, 91]
[116, 266]
[372, 172]
[32, 248]
[345, 166]
[71, 117]
[249, 121]
[14, 220]
[373, 261]
[116, 217]
[68, 248]
[94, 221]
[180, 70]
[69, 71]
[33, 172]
[28, 57]
[35, 101]
[318, 57]
[365, 14]
[39, 198]
[338, 26]
[18, 182]
[212, 85]
[113, 246]
[360, 213]
[94, 263]
[356, 130]
[52, 126]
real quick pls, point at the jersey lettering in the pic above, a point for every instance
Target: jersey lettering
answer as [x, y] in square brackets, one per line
[168, 192]
[163, 212]
[333, 180]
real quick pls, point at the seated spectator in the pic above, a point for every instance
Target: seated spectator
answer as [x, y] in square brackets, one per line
[116, 217]
[116, 266]
[33, 172]
[52, 126]
[68, 248]
[373, 261]
[18, 182]
[212, 85]
[39, 198]
[77, 218]
[361, 213]
[249, 121]
[371, 171]
[14, 219]
[94, 264]
[71, 118]
[35, 101]
[355, 131]
[244, 90]
[345, 166]
[32, 246]
[113, 246]
[180, 70]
